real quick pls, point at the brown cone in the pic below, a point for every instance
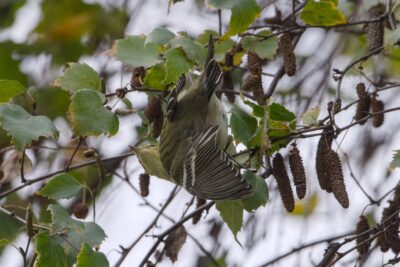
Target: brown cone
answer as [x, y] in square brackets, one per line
[390, 223]
[289, 59]
[335, 174]
[324, 145]
[375, 30]
[254, 63]
[297, 169]
[200, 202]
[282, 178]
[154, 113]
[144, 182]
[363, 103]
[253, 82]
[377, 106]
[137, 76]
[362, 241]
[80, 210]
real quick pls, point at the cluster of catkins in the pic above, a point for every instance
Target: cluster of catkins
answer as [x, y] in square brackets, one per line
[282, 178]
[367, 103]
[328, 167]
[387, 231]
[227, 79]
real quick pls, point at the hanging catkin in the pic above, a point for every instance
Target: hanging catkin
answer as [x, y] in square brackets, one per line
[289, 59]
[363, 234]
[375, 30]
[283, 181]
[297, 169]
[363, 103]
[377, 106]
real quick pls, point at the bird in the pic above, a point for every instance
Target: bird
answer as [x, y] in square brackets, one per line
[194, 137]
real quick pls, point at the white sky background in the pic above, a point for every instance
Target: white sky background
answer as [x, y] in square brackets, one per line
[123, 218]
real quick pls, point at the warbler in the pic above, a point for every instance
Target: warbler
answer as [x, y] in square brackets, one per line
[194, 136]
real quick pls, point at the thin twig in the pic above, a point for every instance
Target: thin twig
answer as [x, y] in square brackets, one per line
[73, 153]
[72, 167]
[311, 244]
[125, 251]
[161, 237]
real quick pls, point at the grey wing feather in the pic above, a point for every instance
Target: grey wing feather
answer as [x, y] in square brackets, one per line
[210, 173]
[173, 97]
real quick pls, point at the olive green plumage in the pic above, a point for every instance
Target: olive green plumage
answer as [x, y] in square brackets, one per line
[194, 137]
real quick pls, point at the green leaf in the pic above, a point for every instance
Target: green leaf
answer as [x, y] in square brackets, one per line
[176, 64]
[194, 51]
[52, 102]
[155, 76]
[89, 116]
[224, 4]
[278, 128]
[310, 117]
[243, 125]
[159, 35]
[280, 113]
[265, 48]
[9, 89]
[50, 253]
[257, 110]
[78, 76]
[396, 160]
[61, 186]
[323, 13]
[231, 212]
[260, 192]
[89, 258]
[243, 14]
[23, 127]
[134, 52]
[75, 231]
[10, 227]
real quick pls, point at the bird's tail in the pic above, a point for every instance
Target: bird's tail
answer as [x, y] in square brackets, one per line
[211, 76]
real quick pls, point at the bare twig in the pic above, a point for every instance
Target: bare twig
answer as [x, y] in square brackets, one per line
[72, 167]
[125, 251]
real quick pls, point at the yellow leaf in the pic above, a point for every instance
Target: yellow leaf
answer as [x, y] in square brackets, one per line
[305, 207]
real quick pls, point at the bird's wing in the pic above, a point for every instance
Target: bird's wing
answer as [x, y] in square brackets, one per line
[209, 172]
[173, 97]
